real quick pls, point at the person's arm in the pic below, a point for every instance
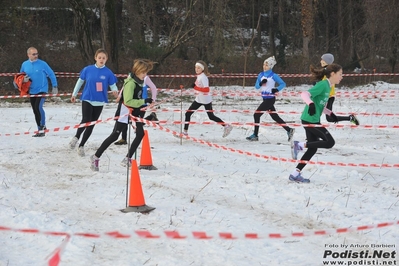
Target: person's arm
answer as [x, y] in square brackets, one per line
[201, 89]
[112, 81]
[50, 73]
[305, 95]
[78, 85]
[114, 90]
[113, 87]
[258, 80]
[281, 83]
[152, 86]
[128, 92]
[202, 84]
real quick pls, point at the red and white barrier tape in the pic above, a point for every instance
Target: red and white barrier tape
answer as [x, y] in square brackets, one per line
[224, 75]
[55, 257]
[264, 124]
[257, 155]
[188, 92]
[178, 122]
[174, 234]
[166, 110]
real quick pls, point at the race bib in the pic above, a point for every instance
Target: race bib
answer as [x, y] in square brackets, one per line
[99, 86]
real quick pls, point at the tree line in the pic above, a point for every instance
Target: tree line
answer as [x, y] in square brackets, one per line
[231, 35]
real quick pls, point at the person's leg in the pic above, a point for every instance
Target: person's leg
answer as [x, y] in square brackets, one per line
[227, 128]
[329, 106]
[123, 140]
[118, 128]
[42, 113]
[86, 117]
[211, 115]
[194, 106]
[317, 137]
[310, 136]
[34, 102]
[95, 112]
[264, 106]
[139, 133]
[277, 118]
[124, 133]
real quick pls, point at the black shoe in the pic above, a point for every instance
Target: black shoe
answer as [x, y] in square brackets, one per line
[121, 142]
[353, 119]
[154, 117]
[41, 132]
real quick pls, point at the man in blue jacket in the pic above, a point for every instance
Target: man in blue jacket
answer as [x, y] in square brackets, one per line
[37, 71]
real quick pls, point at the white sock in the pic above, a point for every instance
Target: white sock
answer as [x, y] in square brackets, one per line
[302, 145]
[295, 173]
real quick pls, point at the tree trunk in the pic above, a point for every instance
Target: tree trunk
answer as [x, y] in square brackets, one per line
[271, 29]
[82, 30]
[307, 25]
[109, 36]
[281, 24]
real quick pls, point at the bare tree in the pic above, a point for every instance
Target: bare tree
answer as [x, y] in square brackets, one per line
[271, 28]
[181, 29]
[109, 37]
[307, 22]
[82, 30]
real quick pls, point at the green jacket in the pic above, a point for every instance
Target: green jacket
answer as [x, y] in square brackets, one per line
[132, 92]
[319, 94]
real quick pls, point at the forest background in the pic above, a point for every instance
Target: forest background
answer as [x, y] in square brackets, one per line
[233, 36]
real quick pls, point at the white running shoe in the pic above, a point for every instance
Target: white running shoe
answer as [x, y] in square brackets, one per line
[94, 163]
[227, 130]
[290, 134]
[73, 142]
[126, 161]
[81, 151]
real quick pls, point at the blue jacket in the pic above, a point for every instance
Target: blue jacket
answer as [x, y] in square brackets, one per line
[39, 71]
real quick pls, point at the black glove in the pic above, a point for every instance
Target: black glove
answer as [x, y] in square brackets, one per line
[334, 118]
[312, 109]
[148, 100]
[274, 90]
[263, 81]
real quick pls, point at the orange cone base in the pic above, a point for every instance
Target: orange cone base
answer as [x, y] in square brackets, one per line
[148, 167]
[142, 209]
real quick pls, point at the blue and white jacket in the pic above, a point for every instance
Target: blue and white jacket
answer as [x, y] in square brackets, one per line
[272, 79]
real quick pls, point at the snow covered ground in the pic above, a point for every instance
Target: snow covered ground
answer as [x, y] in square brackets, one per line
[198, 187]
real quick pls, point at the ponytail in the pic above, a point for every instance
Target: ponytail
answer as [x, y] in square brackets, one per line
[319, 73]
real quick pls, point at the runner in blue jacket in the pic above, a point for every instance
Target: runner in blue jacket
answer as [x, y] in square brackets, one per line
[38, 72]
[266, 81]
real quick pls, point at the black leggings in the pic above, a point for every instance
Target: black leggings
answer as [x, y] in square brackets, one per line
[89, 113]
[37, 107]
[118, 128]
[317, 137]
[194, 106]
[268, 105]
[124, 131]
[329, 106]
[139, 132]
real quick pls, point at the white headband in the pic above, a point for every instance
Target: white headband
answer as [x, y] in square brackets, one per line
[200, 65]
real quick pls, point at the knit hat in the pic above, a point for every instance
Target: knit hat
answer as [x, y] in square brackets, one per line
[271, 61]
[328, 58]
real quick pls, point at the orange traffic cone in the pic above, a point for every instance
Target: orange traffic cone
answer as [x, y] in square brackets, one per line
[146, 157]
[136, 196]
